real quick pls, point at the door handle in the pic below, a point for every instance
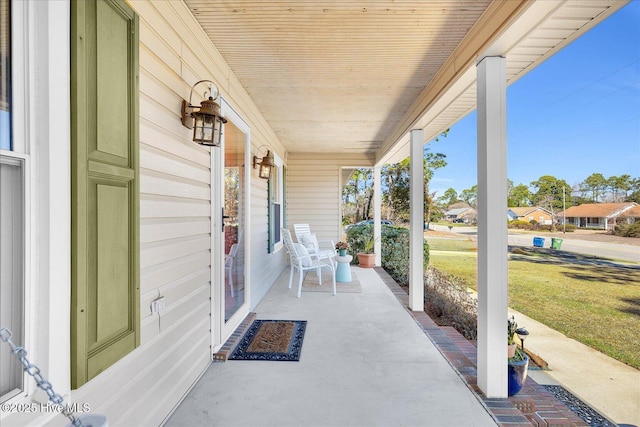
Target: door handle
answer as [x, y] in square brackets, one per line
[222, 222]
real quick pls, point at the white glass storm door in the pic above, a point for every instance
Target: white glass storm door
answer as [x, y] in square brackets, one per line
[230, 302]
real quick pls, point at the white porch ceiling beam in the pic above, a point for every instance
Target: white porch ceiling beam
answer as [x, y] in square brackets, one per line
[492, 227]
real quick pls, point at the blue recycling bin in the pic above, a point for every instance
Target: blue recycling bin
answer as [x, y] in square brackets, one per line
[538, 242]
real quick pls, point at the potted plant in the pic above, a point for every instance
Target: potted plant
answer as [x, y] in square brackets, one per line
[512, 326]
[342, 247]
[367, 258]
[517, 364]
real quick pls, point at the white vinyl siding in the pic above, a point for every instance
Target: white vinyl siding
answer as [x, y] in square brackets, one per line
[314, 191]
[175, 222]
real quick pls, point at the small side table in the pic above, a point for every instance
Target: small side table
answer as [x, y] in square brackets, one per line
[343, 271]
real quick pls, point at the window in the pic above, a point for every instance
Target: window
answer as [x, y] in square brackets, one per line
[12, 223]
[276, 205]
[12, 190]
[5, 76]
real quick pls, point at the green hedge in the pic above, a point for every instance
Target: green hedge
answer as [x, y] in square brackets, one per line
[625, 230]
[522, 225]
[395, 249]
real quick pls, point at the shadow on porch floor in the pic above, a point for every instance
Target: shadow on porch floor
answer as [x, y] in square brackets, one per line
[366, 361]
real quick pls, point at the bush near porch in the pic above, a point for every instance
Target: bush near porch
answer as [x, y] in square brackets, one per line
[533, 225]
[593, 301]
[626, 230]
[395, 249]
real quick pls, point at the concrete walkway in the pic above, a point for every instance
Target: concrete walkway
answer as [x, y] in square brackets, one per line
[364, 362]
[608, 386]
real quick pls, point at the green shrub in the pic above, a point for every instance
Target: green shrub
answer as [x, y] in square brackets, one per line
[626, 230]
[569, 228]
[519, 224]
[395, 253]
[395, 249]
[357, 237]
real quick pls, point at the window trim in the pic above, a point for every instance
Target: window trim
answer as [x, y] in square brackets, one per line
[41, 135]
[275, 197]
[24, 338]
[21, 80]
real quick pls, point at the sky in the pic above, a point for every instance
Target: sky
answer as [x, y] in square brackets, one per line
[576, 114]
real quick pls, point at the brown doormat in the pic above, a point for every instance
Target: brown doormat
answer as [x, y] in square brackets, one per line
[275, 340]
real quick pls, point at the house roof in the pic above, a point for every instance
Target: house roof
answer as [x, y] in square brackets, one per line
[459, 205]
[633, 212]
[597, 210]
[526, 210]
[458, 211]
[357, 77]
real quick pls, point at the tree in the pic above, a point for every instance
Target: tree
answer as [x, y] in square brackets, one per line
[596, 184]
[519, 196]
[397, 177]
[470, 196]
[620, 186]
[397, 192]
[357, 194]
[548, 192]
[634, 187]
[449, 197]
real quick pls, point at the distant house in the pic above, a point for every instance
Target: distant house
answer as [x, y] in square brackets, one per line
[531, 213]
[596, 215]
[630, 216]
[466, 215]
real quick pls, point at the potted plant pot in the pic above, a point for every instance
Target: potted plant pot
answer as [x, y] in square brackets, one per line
[367, 260]
[511, 350]
[342, 247]
[517, 374]
[518, 361]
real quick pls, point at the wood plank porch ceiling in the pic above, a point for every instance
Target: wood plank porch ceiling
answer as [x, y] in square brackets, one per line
[348, 76]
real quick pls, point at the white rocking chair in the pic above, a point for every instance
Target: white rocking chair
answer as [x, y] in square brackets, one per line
[310, 241]
[302, 261]
[229, 262]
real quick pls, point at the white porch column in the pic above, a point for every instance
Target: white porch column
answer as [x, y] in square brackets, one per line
[377, 214]
[416, 222]
[492, 227]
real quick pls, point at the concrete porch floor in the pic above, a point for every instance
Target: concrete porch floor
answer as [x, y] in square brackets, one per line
[364, 362]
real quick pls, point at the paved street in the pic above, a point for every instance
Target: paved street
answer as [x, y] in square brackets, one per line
[570, 243]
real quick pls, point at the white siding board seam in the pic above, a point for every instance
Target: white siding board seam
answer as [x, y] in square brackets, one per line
[135, 364]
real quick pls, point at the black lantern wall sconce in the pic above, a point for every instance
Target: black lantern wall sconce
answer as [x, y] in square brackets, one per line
[266, 165]
[206, 120]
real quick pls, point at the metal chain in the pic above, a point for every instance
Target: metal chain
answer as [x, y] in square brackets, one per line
[34, 371]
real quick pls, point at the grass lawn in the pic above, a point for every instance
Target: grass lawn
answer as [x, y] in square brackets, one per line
[592, 301]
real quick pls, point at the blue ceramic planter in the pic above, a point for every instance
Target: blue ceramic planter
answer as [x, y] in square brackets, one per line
[517, 373]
